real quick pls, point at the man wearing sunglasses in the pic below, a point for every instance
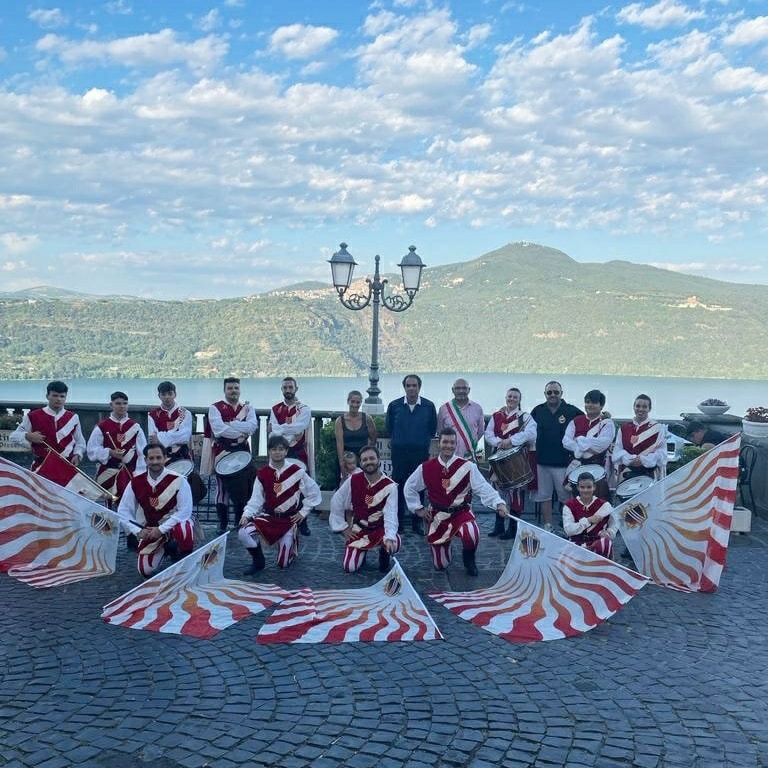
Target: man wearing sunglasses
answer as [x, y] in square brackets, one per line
[552, 459]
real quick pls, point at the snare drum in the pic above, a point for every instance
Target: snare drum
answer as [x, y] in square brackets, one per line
[601, 482]
[633, 486]
[237, 472]
[186, 468]
[511, 468]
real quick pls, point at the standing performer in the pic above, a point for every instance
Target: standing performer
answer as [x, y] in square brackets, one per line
[57, 427]
[552, 417]
[411, 424]
[590, 436]
[466, 417]
[230, 423]
[170, 424]
[641, 444]
[161, 501]
[283, 495]
[449, 482]
[117, 444]
[292, 420]
[589, 521]
[373, 499]
[511, 427]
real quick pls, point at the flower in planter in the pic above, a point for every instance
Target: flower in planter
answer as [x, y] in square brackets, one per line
[757, 413]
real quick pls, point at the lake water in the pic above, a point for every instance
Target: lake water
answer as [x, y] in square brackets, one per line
[671, 396]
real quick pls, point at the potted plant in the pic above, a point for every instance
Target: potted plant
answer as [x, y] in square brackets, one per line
[755, 421]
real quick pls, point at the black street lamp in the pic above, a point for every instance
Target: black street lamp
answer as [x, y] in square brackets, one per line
[342, 267]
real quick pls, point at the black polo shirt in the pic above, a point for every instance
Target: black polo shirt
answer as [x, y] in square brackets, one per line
[550, 429]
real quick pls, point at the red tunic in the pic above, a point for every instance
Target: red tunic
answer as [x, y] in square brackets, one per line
[581, 428]
[285, 414]
[282, 500]
[116, 474]
[448, 487]
[580, 512]
[159, 501]
[228, 413]
[167, 422]
[59, 434]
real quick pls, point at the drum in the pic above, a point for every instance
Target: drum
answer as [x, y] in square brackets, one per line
[186, 468]
[237, 472]
[511, 468]
[632, 487]
[601, 481]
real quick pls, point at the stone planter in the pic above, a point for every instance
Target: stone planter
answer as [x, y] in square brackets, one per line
[755, 428]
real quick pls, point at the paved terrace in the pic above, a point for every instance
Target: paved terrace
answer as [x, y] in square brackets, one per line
[671, 680]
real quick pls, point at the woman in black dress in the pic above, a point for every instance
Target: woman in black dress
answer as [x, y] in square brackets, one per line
[354, 430]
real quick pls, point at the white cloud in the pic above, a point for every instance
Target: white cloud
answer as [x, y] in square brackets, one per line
[148, 50]
[666, 13]
[749, 32]
[15, 243]
[299, 41]
[49, 18]
[119, 7]
[702, 267]
[211, 20]
[13, 266]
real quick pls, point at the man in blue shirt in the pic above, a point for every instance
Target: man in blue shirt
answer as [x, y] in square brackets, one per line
[411, 424]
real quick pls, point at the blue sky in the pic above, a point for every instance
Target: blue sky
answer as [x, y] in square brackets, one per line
[203, 149]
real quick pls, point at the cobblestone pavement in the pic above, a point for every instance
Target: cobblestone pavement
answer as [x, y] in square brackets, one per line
[671, 680]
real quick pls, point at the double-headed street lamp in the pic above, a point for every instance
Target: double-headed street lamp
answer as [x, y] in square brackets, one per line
[342, 267]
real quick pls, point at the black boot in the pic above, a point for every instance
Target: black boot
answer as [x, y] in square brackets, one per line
[511, 531]
[384, 560]
[258, 564]
[304, 528]
[469, 561]
[172, 550]
[498, 527]
[416, 525]
[132, 542]
[222, 510]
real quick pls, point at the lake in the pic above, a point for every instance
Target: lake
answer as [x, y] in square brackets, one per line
[671, 396]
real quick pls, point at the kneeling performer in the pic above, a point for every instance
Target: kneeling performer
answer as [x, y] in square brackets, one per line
[450, 482]
[372, 497]
[283, 495]
[589, 521]
[161, 503]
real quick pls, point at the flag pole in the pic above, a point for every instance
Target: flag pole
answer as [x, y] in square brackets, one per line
[106, 493]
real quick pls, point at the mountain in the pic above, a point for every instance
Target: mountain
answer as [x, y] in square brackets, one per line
[523, 308]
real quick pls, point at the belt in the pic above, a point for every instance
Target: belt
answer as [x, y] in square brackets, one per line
[274, 513]
[451, 510]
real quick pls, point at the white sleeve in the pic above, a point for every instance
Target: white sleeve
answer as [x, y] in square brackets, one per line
[79, 449]
[126, 510]
[256, 502]
[491, 438]
[602, 442]
[183, 509]
[310, 490]
[19, 435]
[341, 501]
[390, 515]
[488, 494]
[570, 526]
[414, 485]
[569, 441]
[97, 451]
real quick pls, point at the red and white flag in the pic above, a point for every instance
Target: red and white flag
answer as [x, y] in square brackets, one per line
[50, 536]
[57, 469]
[550, 589]
[390, 610]
[192, 597]
[677, 529]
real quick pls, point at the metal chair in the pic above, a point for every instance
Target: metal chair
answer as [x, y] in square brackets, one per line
[747, 460]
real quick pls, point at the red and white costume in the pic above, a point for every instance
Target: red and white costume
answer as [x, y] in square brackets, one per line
[278, 494]
[590, 440]
[520, 429]
[449, 487]
[292, 422]
[229, 427]
[164, 502]
[61, 431]
[173, 429]
[648, 441]
[110, 434]
[580, 531]
[374, 516]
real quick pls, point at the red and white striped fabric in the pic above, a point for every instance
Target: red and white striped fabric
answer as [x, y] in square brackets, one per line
[50, 536]
[192, 597]
[677, 529]
[390, 610]
[550, 589]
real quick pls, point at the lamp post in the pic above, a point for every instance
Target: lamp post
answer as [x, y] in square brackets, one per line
[342, 267]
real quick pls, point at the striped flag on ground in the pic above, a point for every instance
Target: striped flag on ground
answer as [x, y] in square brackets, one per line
[192, 597]
[549, 589]
[388, 611]
[50, 536]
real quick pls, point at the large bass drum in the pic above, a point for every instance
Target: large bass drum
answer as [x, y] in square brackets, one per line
[602, 491]
[237, 471]
[511, 468]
